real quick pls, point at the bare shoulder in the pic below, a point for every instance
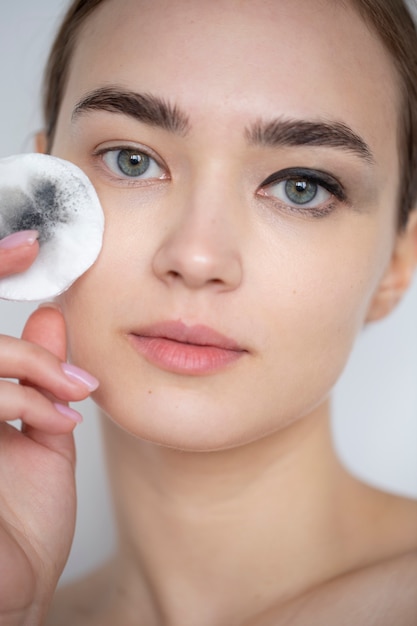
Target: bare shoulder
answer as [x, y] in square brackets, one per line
[381, 595]
[383, 592]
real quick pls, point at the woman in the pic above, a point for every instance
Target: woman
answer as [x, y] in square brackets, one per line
[256, 165]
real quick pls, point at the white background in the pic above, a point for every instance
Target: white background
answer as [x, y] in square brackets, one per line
[375, 407]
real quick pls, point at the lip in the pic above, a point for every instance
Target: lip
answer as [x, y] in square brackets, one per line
[192, 350]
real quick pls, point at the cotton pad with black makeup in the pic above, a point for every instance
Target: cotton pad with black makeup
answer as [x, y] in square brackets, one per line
[53, 196]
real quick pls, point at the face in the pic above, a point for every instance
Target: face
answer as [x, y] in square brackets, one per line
[250, 196]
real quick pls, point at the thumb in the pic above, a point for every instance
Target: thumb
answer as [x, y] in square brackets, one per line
[46, 328]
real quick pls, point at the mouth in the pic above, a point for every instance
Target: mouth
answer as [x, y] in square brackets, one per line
[191, 350]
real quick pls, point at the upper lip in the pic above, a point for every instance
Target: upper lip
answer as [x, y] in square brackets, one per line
[197, 334]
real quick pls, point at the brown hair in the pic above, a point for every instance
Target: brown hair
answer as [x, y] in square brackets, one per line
[390, 19]
[396, 28]
[58, 66]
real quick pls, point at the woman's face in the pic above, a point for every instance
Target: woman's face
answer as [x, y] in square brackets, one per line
[250, 190]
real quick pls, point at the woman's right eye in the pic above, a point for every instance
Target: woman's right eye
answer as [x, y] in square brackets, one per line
[132, 163]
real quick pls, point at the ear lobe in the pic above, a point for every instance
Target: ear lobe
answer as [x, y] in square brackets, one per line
[41, 142]
[399, 274]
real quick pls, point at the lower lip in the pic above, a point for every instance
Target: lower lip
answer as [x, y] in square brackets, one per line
[184, 358]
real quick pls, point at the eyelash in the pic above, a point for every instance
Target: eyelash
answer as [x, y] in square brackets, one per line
[321, 180]
[113, 170]
[315, 178]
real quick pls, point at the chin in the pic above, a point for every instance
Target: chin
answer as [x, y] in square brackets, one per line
[191, 423]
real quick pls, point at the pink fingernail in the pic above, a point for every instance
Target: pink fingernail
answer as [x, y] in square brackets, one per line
[23, 237]
[68, 412]
[80, 376]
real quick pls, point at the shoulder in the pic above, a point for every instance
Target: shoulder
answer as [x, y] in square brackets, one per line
[383, 590]
[383, 594]
[379, 595]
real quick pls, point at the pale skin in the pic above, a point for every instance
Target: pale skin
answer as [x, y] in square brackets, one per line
[232, 506]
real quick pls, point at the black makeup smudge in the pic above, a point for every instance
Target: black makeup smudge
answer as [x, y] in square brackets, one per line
[44, 209]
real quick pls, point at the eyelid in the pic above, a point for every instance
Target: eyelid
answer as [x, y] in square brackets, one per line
[100, 151]
[325, 180]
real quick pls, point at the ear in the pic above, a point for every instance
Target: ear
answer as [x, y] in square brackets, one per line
[399, 274]
[41, 142]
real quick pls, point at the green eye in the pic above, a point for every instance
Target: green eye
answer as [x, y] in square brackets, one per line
[310, 191]
[132, 163]
[300, 191]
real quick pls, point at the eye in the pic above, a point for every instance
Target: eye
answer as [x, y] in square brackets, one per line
[132, 163]
[304, 189]
[301, 191]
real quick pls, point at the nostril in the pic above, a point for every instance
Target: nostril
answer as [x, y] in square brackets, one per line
[173, 274]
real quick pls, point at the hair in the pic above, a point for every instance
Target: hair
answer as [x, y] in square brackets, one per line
[390, 19]
[59, 61]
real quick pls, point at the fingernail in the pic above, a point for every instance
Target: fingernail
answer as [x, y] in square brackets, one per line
[23, 237]
[75, 373]
[68, 412]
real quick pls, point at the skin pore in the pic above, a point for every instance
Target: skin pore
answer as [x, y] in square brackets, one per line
[231, 504]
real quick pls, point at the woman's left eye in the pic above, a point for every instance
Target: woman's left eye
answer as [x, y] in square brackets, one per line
[132, 163]
[302, 189]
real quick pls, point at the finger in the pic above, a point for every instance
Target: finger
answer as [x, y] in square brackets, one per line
[46, 328]
[36, 366]
[18, 252]
[19, 402]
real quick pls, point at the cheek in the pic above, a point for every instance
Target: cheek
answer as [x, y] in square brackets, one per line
[89, 305]
[319, 302]
[98, 305]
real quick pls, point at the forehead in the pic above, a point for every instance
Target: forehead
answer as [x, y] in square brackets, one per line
[313, 58]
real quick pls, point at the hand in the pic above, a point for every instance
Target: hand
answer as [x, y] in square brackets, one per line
[17, 252]
[37, 488]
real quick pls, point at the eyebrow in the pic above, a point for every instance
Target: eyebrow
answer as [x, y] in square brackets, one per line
[142, 107]
[288, 132]
[155, 111]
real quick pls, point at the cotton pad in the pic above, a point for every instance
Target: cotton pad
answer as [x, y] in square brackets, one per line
[55, 197]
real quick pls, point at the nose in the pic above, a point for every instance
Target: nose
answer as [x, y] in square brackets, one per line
[201, 247]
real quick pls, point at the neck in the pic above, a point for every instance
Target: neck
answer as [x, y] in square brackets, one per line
[192, 525]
